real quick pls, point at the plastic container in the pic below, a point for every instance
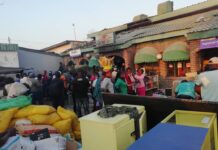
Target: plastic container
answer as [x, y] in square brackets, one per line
[115, 133]
[197, 119]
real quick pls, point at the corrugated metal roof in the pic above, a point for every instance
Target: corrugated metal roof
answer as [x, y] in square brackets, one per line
[189, 23]
[196, 7]
[61, 44]
[8, 47]
[39, 51]
[205, 24]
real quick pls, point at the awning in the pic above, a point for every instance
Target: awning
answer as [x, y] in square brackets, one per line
[176, 52]
[146, 55]
[93, 62]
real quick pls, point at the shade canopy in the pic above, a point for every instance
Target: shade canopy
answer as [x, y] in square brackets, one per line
[146, 55]
[93, 62]
[176, 52]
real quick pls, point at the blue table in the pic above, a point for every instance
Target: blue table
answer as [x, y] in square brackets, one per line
[166, 136]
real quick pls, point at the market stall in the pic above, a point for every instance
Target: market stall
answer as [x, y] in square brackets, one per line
[29, 127]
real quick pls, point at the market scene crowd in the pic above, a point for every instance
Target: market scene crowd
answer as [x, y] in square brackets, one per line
[148, 84]
[79, 83]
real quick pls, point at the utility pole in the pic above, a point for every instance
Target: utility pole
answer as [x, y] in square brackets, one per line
[9, 40]
[74, 28]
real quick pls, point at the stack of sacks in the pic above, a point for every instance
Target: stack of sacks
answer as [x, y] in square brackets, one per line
[69, 122]
[38, 114]
[5, 118]
[65, 121]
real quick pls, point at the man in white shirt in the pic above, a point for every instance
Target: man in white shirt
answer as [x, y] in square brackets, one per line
[106, 83]
[208, 81]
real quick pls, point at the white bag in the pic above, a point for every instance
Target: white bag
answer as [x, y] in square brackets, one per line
[16, 89]
[54, 143]
[25, 144]
[18, 143]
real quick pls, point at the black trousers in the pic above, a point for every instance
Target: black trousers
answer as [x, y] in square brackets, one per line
[184, 97]
[57, 101]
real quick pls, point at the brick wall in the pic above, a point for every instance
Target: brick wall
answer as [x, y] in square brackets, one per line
[194, 55]
[129, 54]
[160, 45]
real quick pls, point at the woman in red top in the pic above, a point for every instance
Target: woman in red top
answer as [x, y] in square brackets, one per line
[130, 81]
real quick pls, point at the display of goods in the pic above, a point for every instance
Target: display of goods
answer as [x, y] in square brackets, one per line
[18, 102]
[53, 143]
[5, 118]
[66, 114]
[34, 110]
[44, 119]
[63, 126]
[26, 130]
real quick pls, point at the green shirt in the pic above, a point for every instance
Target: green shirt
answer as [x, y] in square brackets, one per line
[186, 88]
[120, 86]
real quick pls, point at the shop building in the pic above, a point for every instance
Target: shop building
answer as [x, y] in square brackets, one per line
[78, 54]
[203, 42]
[168, 44]
[63, 48]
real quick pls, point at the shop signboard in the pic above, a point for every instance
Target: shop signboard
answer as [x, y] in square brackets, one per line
[209, 43]
[75, 53]
[105, 39]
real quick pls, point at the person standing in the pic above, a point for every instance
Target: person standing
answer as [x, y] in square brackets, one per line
[106, 83]
[56, 91]
[185, 90]
[65, 80]
[50, 75]
[97, 92]
[36, 89]
[61, 67]
[81, 87]
[45, 84]
[140, 84]
[130, 81]
[208, 81]
[120, 85]
[72, 78]
[92, 79]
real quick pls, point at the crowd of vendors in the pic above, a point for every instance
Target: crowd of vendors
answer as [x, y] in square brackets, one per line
[57, 87]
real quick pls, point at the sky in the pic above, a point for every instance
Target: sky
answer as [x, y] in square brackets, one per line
[41, 23]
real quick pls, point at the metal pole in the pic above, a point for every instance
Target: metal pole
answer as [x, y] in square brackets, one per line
[74, 27]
